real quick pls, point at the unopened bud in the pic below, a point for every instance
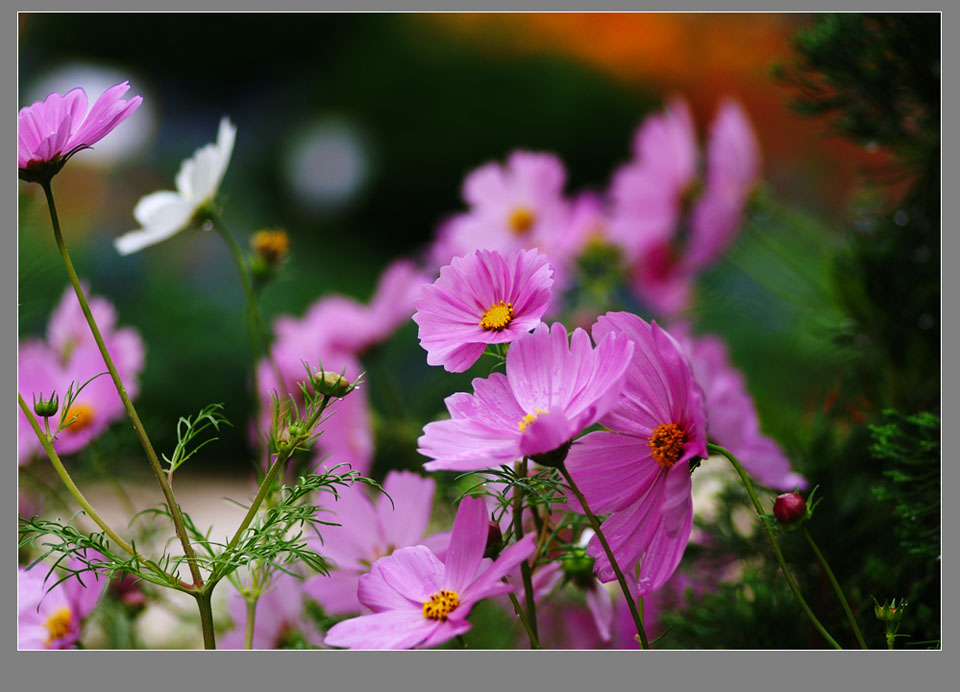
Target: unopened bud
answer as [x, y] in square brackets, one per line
[46, 408]
[270, 250]
[889, 612]
[578, 567]
[494, 540]
[331, 384]
[790, 508]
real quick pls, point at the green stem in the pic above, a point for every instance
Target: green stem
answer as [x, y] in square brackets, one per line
[836, 587]
[174, 508]
[258, 328]
[534, 641]
[45, 440]
[637, 619]
[773, 542]
[206, 619]
[251, 620]
[525, 565]
[68, 481]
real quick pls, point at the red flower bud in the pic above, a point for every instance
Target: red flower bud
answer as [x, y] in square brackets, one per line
[789, 508]
[494, 540]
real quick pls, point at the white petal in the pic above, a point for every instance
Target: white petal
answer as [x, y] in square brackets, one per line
[162, 215]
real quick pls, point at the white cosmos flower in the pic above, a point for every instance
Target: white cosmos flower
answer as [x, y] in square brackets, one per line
[166, 213]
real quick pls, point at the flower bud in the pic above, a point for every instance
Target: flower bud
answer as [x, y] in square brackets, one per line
[270, 249]
[331, 384]
[578, 567]
[790, 508]
[891, 612]
[494, 540]
[46, 408]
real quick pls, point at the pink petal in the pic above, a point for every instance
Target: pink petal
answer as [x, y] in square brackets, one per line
[404, 522]
[392, 629]
[467, 543]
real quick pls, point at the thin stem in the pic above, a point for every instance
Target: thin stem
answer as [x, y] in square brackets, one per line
[171, 501]
[82, 501]
[251, 620]
[534, 641]
[773, 542]
[258, 328]
[68, 481]
[637, 619]
[525, 565]
[836, 587]
[206, 619]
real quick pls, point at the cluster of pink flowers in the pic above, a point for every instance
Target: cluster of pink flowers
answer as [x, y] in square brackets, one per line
[68, 355]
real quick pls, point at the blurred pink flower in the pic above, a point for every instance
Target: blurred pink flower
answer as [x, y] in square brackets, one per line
[481, 298]
[669, 224]
[70, 355]
[734, 423]
[368, 531]
[52, 618]
[639, 471]
[49, 132]
[280, 614]
[553, 389]
[419, 601]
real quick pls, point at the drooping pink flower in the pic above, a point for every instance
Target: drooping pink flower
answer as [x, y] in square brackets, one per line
[49, 132]
[482, 298]
[52, 618]
[552, 391]
[368, 531]
[734, 423]
[419, 601]
[639, 473]
[669, 223]
[279, 618]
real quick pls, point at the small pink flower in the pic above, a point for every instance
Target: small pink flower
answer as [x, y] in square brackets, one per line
[368, 531]
[553, 389]
[279, 617]
[639, 473]
[482, 298]
[52, 618]
[419, 601]
[734, 423]
[49, 132]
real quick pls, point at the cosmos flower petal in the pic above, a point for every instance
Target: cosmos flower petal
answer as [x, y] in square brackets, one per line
[611, 470]
[390, 629]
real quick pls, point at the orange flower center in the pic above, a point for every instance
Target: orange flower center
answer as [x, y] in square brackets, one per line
[58, 625]
[521, 220]
[82, 415]
[440, 605]
[529, 418]
[497, 317]
[666, 444]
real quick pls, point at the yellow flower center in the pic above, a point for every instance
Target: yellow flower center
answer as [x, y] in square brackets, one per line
[529, 418]
[58, 625]
[666, 444]
[440, 605]
[82, 415]
[521, 220]
[497, 317]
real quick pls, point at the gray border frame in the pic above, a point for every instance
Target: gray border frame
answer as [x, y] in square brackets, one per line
[781, 671]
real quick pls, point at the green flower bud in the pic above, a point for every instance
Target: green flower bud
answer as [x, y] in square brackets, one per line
[331, 384]
[46, 408]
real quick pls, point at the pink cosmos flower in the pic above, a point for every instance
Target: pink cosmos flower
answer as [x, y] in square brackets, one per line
[419, 601]
[734, 422]
[512, 207]
[658, 195]
[482, 298]
[52, 618]
[70, 355]
[639, 473]
[279, 617]
[553, 389]
[49, 132]
[368, 531]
